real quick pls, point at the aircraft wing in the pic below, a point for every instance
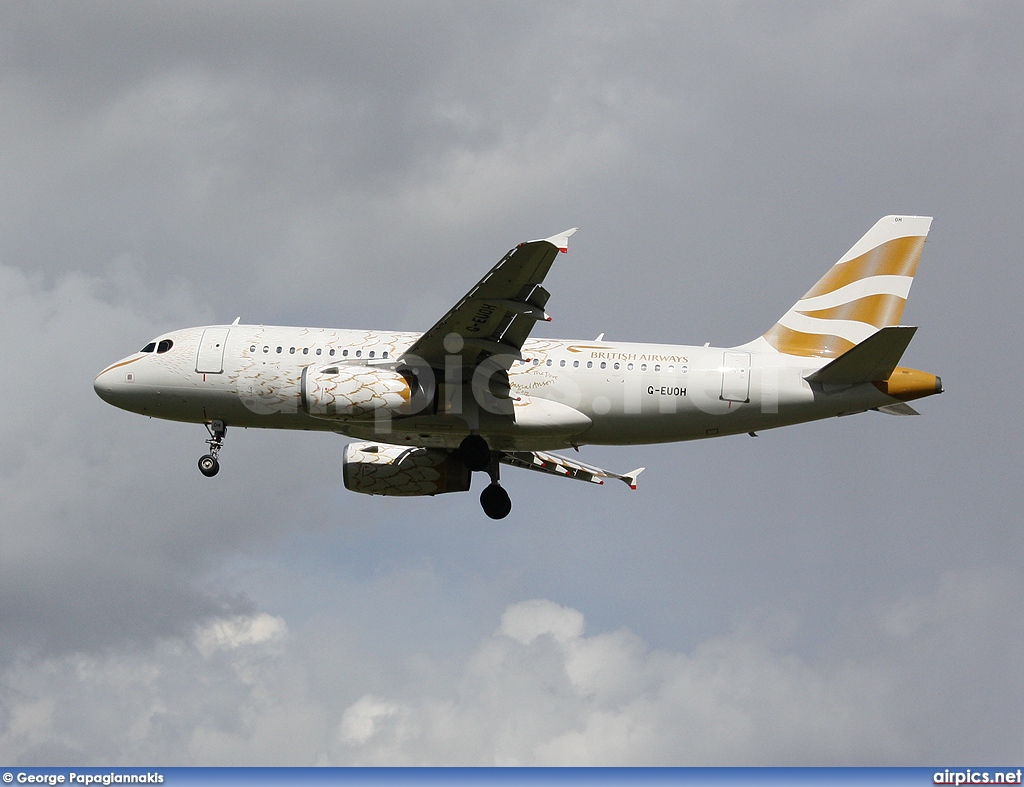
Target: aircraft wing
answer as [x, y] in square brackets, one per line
[554, 464]
[493, 320]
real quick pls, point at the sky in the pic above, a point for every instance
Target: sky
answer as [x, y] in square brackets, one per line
[847, 592]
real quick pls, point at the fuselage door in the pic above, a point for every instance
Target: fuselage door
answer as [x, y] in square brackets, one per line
[736, 377]
[210, 358]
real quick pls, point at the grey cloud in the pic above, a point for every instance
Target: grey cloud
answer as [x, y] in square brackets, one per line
[361, 165]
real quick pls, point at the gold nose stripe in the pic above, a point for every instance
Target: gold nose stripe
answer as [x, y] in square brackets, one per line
[897, 257]
[122, 363]
[876, 310]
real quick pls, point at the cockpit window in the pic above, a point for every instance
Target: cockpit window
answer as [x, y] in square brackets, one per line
[148, 348]
[164, 346]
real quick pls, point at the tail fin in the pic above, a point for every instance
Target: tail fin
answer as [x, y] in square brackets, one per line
[866, 290]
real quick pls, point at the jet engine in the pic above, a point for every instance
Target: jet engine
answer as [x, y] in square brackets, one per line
[342, 391]
[383, 469]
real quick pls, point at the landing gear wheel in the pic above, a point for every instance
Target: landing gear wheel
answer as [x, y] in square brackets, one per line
[208, 465]
[475, 453]
[495, 501]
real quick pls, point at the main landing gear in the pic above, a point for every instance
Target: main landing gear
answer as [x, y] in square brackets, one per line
[208, 465]
[478, 456]
[495, 501]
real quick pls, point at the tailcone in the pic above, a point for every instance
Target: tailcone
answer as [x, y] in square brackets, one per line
[907, 384]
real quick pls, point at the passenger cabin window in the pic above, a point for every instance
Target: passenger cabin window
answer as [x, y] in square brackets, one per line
[371, 353]
[359, 353]
[164, 346]
[148, 348]
[344, 353]
[331, 353]
[318, 351]
[385, 354]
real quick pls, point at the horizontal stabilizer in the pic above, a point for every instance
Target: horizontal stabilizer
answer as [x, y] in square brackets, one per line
[872, 359]
[898, 409]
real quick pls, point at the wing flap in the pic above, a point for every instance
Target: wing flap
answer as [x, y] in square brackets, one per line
[495, 318]
[555, 464]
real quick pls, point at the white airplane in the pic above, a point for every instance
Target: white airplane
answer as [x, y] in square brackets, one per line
[474, 392]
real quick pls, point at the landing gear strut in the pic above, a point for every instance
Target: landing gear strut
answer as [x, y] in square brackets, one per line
[475, 453]
[208, 464]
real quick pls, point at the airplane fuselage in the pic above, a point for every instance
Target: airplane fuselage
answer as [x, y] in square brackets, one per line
[565, 392]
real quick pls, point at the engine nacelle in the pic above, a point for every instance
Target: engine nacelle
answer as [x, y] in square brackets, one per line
[341, 391]
[383, 469]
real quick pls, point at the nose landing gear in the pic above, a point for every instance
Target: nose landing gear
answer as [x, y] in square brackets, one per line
[209, 466]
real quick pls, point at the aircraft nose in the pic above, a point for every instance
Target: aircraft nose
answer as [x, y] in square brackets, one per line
[104, 386]
[113, 383]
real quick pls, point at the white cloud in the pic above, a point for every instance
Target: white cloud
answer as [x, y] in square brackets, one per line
[537, 691]
[365, 718]
[239, 631]
[540, 692]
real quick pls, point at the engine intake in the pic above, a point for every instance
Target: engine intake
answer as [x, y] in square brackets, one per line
[383, 469]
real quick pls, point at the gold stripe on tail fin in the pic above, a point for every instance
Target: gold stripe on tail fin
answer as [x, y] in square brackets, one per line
[866, 290]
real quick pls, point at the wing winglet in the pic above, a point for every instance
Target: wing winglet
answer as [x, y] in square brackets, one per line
[561, 240]
[630, 477]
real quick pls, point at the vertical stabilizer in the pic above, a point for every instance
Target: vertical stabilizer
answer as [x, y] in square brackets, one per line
[866, 290]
